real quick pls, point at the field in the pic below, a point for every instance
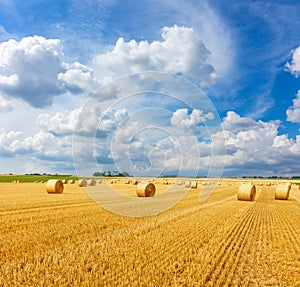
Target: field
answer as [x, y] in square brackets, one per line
[69, 240]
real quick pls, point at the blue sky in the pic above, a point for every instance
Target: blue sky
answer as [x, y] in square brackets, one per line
[224, 87]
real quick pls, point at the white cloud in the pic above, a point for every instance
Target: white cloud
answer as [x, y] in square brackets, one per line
[86, 121]
[182, 118]
[79, 76]
[5, 106]
[180, 52]
[234, 122]
[34, 70]
[293, 112]
[257, 147]
[294, 66]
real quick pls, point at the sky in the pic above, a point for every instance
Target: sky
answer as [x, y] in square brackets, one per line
[183, 87]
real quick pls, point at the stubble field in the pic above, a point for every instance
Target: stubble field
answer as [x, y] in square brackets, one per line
[69, 240]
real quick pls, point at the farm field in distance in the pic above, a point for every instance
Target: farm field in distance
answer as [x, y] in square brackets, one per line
[69, 240]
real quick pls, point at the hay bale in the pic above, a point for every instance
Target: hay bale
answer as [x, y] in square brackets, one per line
[82, 183]
[64, 181]
[283, 191]
[91, 182]
[99, 181]
[194, 184]
[127, 181]
[247, 191]
[71, 181]
[145, 189]
[54, 186]
[135, 182]
[187, 184]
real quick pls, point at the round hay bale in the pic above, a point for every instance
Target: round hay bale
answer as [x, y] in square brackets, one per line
[127, 181]
[71, 181]
[194, 184]
[145, 189]
[64, 181]
[247, 191]
[283, 191]
[99, 181]
[187, 184]
[82, 183]
[135, 182]
[91, 182]
[54, 186]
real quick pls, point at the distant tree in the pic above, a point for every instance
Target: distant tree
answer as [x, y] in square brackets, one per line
[97, 173]
[124, 173]
[109, 173]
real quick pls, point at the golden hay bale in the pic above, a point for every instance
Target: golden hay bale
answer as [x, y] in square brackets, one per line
[71, 181]
[283, 191]
[91, 182]
[82, 183]
[194, 184]
[54, 186]
[99, 181]
[135, 182]
[187, 184]
[127, 181]
[247, 191]
[145, 189]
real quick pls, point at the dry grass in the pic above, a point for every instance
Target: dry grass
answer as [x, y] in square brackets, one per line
[68, 240]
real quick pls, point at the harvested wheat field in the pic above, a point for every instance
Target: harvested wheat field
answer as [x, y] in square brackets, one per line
[67, 239]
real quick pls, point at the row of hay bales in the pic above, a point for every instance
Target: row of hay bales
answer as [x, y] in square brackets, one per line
[57, 185]
[88, 182]
[247, 191]
[144, 188]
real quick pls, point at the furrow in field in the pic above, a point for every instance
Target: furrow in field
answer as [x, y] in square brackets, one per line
[56, 206]
[232, 241]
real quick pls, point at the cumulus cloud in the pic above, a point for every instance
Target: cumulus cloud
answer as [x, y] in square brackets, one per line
[182, 118]
[34, 70]
[78, 76]
[85, 121]
[257, 146]
[234, 122]
[294, 66]
[43, 149]
[293, 112]
[180, 52]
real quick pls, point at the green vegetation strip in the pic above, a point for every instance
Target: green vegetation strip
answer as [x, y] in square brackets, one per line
[33, 178]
